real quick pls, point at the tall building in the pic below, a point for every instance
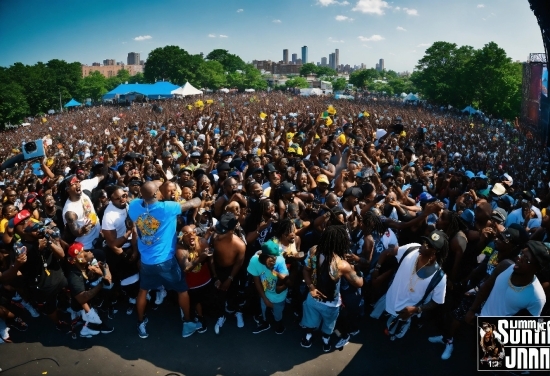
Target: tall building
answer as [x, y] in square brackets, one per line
[323, 61]
[304, 55]
[377, 66]
[109, 62]
[381, 65]
[133, 58]
[285, 56]
[336, 59]
[331, 60]
[294, 58]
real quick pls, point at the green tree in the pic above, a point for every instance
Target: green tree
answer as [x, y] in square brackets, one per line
[326, 71]
[339, 84]
[93, 86]
[230, 62]
[172, 63]
[299, 82]
[307, 69]
[253, 78]
[13, 104]
[137, 78]
[123, 75]
[361, 78]
[211, 75]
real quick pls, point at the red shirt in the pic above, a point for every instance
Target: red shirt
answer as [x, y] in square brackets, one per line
[199, 275]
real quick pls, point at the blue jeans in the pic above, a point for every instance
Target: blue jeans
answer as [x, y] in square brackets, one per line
[277, 310]
[316, 313]
[167, 274]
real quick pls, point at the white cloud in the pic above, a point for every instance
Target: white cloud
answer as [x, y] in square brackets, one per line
[371, 6]
[423, 45]
[332, 40]
[481, 5]
[343, 18]
[411, 12]
[223, 36]
[397, 8]
[240, 10]
[326, 3]
[277, 21]
[212, 35]
[366, 46]
[399, 28]
[374, 38]
[143, 37]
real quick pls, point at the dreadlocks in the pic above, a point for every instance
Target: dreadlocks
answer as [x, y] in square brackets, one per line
[286, 226]
[374, 223]
[441, 255]
[456, 224]
[334, 242]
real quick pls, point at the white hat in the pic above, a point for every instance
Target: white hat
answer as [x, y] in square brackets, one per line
[498, 189]
[380, 133]
[509, 178]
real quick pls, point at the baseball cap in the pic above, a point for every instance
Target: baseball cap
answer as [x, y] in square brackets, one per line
[287, 187]
[426, 197]
[31, 197]
[469, 174]
[195, 154]
[75, 249]
[322, 178]
[227, 223]
[436, 239]
[224, 166]
[166, 154]
[386, 176]
[498, 189]
[270, 248]
[20, 217]
[515, 234]
[499, 215]
[540, 251]
[468, 216]
[353, 191]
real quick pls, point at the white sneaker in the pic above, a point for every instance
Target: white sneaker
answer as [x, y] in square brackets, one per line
[436, 339]
[17, 297]
[91, 317]
[86, 332]
[161, 294]
[240, 321]
[448, 351]
[34, 313]
[74, 314]
[342, 342]
[219, 324]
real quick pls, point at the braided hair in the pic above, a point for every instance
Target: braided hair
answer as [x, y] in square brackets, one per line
[456, 223]
[441, 255]
[334, 242]
[286, 226]
[373, 222]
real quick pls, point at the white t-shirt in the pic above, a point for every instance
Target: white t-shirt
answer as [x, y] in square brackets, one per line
[399, 295]
[113, 219]
[504, 301]
[84, 210]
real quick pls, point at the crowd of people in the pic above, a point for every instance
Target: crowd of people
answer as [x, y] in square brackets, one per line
[269, 204]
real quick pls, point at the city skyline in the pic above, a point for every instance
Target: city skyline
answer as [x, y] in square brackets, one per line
[363, 30]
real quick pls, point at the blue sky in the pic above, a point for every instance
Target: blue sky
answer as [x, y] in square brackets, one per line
[363, 30]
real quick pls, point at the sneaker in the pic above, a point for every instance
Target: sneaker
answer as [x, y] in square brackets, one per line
[436, 339]
[261, 328]
[258, 319]
[161, 294]
[74, 314]
[17, 297]
[203, 328]
[189, 328]
[130, 309]
[327, 347]
[148, 296]
[18, 324]
[34, 313]
[279, 328]
[306, 342]
[240, 321]
[111, 312]
[448, 351]
[91, 317]
[219, 324]
[105, 329]
[142, 330]
[63, 327]
[341, 343]
[227, 309]
[87, 332]
[355, 333]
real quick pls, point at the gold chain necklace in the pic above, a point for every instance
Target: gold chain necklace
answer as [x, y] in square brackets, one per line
[413, 274]
[516, 288]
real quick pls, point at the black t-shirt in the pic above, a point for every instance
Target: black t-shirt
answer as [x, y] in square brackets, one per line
[57, 217]
[35, 272]
[77, 284]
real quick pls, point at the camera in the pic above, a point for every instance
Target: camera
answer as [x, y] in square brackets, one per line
[19, 248]
[33, 149]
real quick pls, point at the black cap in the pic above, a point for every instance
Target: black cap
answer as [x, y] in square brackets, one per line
[224, 166]
[409, 149]
[227, 223]
[287, 187]
[166, 154]
[270, 168]
[540, 251]
[353, 191]
[515, 234]
[387, 175]
[258, 169]
[436, 239]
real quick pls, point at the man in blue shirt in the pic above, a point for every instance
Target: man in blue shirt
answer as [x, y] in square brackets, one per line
[155, 230]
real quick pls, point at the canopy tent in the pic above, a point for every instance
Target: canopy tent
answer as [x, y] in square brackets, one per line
[249, 90]
[186, 90]
[224, 90]
[72, 103]
[158, 90]
[311, 91]
[411, 97]
[471, 111]
[403, 95]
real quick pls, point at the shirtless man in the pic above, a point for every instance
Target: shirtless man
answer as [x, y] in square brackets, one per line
[229, 251]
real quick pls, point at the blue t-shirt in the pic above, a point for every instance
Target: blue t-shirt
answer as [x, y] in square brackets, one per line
[156, 228]
[269, 281]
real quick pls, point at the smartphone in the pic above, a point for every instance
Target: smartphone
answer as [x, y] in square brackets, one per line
[19, 248]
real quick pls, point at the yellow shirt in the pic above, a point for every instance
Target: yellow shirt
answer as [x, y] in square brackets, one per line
[342, 139]
[3, 225]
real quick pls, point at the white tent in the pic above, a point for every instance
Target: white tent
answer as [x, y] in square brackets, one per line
[249, 90]
[311, 91]
[403, 95]
[186, 90]
[224, 90]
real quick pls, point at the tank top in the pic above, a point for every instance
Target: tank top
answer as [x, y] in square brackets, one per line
[327, 286]
[199, 275]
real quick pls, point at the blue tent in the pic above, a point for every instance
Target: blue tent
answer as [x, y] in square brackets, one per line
[470, 110]
[72, 103]
[158, 90]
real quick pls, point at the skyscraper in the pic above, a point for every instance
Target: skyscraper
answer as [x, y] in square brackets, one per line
[381, 65]
[133, 58]
[377, 66]
[285, 56]
[331, 60]
[109, 62]
[323, 61]
[304, 55]
[294, 58]
[336, 59]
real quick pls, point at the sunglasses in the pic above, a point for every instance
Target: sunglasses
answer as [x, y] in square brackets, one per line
[118, 198]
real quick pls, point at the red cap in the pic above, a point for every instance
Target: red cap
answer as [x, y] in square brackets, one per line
[20, 217]
[31, 197]
[75, 249]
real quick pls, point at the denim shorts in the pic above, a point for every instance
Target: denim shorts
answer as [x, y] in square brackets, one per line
[167, 274]
[278, 309]
[316, 313]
